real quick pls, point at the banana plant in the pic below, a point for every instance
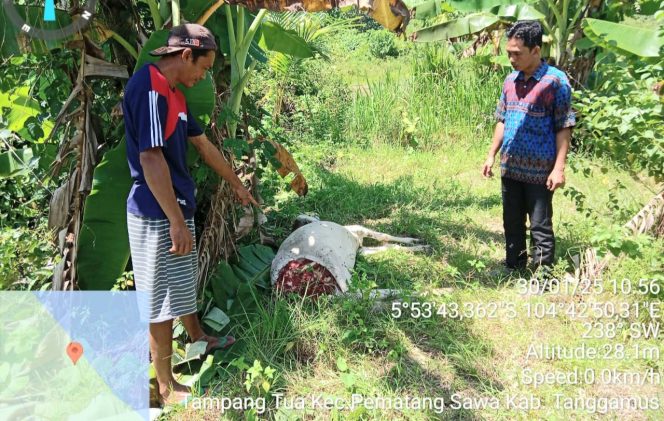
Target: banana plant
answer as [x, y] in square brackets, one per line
[308, 28]
[624, 39]
[564, 18]
[240, 39]
[271, 36]
[484, 15]
[12, 39]
[15, 162]
[561, 19]
[103, 242]
[102, 230]
[244, 37]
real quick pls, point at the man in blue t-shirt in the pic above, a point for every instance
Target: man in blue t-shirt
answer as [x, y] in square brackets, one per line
[533, 132]
[161, 203]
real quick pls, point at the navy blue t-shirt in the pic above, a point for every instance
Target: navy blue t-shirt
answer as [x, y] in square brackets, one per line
[156, 116]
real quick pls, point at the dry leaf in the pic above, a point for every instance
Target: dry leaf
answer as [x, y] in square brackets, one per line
[288, 165]
[299, 185]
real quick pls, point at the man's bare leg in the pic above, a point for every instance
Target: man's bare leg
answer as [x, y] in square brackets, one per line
[193, 326]
[161, 347]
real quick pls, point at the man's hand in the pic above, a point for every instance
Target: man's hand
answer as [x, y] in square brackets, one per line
[496, 143]
[182, 240]
[244, 196]
[486, 168]
[213, 157]
[556, 179]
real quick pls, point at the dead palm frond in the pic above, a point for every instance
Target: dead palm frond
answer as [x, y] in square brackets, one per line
[649, 220]
[216, 242]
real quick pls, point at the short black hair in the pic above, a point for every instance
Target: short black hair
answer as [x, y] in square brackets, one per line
[195, 53]
[529, 31]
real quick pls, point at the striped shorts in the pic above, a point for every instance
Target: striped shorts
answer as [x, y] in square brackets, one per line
[168, 281]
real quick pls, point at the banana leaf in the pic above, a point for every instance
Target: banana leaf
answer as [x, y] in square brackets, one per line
[481, 5]
[467, 25]
[624, 39]
[428, 9]
[516, 12]
[650, 7]
[104, 242]
[501, 60]
[13, 41]
[192, 352]
[14, 163]
[193, 9]
[487, 14]
[21, 108]
[215, 319]
[217, 24]
[234, 285]
[275, 38]
[202, 372]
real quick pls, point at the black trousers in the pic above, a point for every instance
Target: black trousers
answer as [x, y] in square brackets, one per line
[535, 201]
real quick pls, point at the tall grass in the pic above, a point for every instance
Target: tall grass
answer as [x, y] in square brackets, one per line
[444, 98]
[337, 346]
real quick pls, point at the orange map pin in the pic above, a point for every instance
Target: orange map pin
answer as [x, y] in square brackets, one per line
[74, 350]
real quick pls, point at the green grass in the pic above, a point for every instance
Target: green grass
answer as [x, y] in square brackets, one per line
[435, 100]
[440, 198]
[430, 190]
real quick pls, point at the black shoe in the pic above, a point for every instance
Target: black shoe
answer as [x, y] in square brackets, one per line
[505, 270]
[517, 267]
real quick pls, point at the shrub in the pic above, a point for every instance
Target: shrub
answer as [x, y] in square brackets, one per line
[364, 22]
[382, 44]
[622, 117]
[25, 258]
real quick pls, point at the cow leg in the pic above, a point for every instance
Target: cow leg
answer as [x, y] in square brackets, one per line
[381, 294]
[366, 251]
[363, 232]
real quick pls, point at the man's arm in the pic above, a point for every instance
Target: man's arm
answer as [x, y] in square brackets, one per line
[493, 150]
[498, 134]
[215, 160]
[158, 177]
[563, 121]
[557, 177]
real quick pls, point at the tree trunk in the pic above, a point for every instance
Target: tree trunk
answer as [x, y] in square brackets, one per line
[68, 208]
[578, 67]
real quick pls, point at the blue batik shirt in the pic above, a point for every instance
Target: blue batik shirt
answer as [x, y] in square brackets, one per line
[533, 111]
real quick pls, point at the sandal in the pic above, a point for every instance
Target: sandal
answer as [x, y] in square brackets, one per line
[181, 399]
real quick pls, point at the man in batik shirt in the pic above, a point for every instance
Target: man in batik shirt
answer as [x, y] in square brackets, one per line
[533, 134]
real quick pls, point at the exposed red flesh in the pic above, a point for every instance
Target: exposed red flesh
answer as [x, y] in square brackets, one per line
[306, 278]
